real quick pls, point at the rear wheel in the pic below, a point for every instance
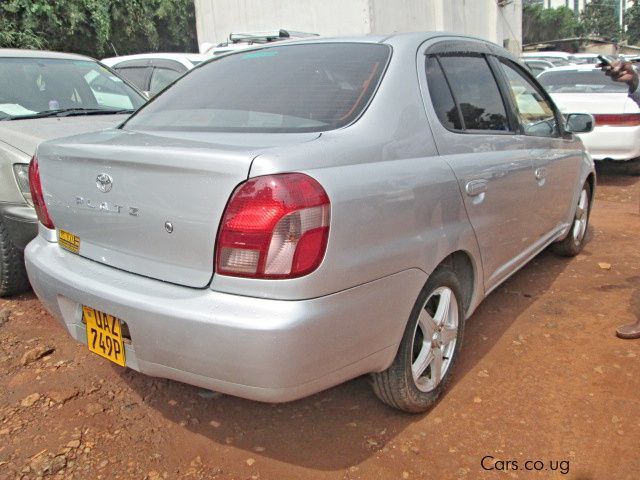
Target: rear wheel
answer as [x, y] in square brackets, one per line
[13, 276]
[575, 240]
[429, 347]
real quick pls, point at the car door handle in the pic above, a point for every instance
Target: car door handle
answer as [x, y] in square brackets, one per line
[475, 187]
[541, 173]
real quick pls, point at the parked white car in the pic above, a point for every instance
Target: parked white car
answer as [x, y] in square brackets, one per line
[586, 89]
[559, 59]
[586, 58]
[152, 72]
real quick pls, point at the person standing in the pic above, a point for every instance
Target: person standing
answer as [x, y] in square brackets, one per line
[622, 71]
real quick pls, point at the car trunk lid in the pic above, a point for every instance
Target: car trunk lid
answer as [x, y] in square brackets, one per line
[595, 103]
[149, 204]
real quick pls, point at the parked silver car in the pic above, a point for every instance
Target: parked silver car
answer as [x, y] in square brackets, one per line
[45, 95]
[287, 218]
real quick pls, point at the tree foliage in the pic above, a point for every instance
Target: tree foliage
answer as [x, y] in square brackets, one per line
[541, 24]
[97, 27]
[632, 21]
[599, 19]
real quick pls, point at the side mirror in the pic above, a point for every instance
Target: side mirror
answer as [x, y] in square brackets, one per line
[579, 123]
[147, 94]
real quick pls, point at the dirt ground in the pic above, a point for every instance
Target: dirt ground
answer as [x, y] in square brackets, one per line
[542, 378]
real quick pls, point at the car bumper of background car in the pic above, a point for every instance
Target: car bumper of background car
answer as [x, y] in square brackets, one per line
[261, 349]
[21, 223]
[615, 143]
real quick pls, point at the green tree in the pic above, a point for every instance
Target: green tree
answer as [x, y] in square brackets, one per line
[599, 19]
[632, 21]
[97, 27]
[541, 24]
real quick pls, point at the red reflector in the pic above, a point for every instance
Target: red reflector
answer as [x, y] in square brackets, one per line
[276, 226]
[617, 120]
[36, 194]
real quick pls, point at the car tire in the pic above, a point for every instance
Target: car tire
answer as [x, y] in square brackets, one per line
[13, 275]
[573, 243]
[633, 167]
[435, 331]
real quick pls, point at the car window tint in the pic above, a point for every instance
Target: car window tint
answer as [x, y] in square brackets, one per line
[534, 112]
[284, 88]
[161, 77]
[476, 91]
[136, 75]
[441, 97]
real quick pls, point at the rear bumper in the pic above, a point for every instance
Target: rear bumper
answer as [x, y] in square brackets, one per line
[261, 349]
[616, 143]
[21, 222]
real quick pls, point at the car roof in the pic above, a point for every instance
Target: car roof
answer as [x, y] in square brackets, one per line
[406, 39]
[25, 53]
[192, 57]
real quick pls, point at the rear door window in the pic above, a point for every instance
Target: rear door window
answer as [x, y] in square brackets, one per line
[441, 96]
[286, 88]
[476, 92]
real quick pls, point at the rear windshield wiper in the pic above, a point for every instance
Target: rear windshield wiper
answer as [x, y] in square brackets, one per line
[67, 112]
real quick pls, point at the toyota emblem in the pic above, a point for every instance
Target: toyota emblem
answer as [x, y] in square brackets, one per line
[104, 182]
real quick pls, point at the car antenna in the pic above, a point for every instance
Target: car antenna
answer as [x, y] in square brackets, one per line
[114, 49]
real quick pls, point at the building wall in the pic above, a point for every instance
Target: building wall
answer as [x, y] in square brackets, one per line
[215, 19]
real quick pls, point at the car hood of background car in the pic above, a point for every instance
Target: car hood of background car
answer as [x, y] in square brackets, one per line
[26, 135]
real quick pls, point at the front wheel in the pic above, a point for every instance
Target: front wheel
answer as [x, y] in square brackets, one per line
[575, 240]
[429, 347]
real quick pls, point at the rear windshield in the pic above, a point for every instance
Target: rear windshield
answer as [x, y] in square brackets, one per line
[580, 81]
[286, 88]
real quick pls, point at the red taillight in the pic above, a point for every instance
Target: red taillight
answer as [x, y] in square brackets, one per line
[36, 194]
[274, 226]
[617, 120]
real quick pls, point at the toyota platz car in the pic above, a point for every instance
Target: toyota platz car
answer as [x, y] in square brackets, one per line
[287, 218]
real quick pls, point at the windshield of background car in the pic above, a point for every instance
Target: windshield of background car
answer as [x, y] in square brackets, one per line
[30, 86]
[580, 81]
[292, 88]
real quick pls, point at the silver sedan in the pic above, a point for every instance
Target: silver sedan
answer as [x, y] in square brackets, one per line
[287, 218]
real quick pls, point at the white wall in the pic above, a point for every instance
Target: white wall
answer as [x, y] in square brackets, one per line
[483, 18]
[216, 19]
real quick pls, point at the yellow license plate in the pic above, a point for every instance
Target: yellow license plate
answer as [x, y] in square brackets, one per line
[104, 335]
[69, 241]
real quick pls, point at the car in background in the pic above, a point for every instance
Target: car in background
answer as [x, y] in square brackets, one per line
[292, 216]
[616, 135]
[45, 95]
[558, 59]
[242, 41]
[152, 72]
[537, 66]
[586, 58]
